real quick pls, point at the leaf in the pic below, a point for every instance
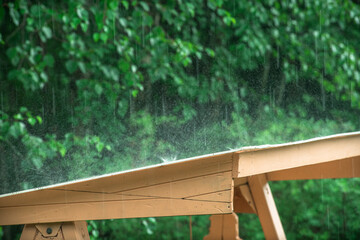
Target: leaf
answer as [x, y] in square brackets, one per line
[1, 39]
[96, 37]
[98, 89]
[62, 150]
[125, 4]
[82, 67]
[123, 107]
[32, 121]
[23, 109]
[71, 66]
[49, 60]
[145, 6]
[39, 119]
[82, 13]
[134, 93]
[12, 54]
[18, 117]
[100, 146]
[84, 26]
[15, 16]
[37, 162]
[44, 76]
[47, 31]
[124, 65]
[104, 37]
[210, 52]
[17, 129]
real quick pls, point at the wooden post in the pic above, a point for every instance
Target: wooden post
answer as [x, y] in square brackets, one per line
[224, 227]
[266, 208]
[56, 231]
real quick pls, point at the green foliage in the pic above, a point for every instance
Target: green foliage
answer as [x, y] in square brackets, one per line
[113, 85]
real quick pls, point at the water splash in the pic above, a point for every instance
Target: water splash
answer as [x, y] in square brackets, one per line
[168, 159]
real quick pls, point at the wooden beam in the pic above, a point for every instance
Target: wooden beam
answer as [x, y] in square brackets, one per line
[243, 201]
[266, 208]
[345, 168]
[199, 186]
[257, 161]
[224, 227]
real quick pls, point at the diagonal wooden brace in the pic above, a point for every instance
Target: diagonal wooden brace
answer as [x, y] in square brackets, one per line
[266, 208]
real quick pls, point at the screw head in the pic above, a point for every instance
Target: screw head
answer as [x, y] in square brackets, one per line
[48, 230]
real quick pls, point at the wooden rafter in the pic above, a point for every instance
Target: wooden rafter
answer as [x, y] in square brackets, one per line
[266, 208]
[286, 156]
[197, 186]
[345, 168]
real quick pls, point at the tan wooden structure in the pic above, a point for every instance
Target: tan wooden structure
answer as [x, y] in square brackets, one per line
[218, 184]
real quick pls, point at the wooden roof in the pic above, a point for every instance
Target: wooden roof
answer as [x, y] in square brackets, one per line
[226, 182]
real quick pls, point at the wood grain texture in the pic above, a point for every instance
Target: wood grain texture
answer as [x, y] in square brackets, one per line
[266, 208]
[289, 156]
[345, 168]
[198, 186]
[243, 201]
[224, 227]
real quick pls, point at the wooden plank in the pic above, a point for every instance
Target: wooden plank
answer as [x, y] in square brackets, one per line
[111, 210]
[201, 186]
[155, 175]
[240, 181]
[266, 208]
[217, 185]
[224, 227]
[220, 196]
[75, 230]
[345, 168]
[282, 157]
[243, 202]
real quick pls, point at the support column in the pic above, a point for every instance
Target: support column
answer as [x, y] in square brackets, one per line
[266, 208]
[224, 227]
[56, 231]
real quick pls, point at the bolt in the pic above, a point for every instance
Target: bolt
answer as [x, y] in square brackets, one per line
[48, 230]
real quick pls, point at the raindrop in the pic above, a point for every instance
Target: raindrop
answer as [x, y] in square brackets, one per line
[226, 114]
[114, 27]
[163, 103]
[142, 31]
[2, 102]
[278, 56]
[115, 111]
[52, 17]
[16, 98]
[323, 93]
[328, 216]
[39, 14]
[324, 67]
[316, 50]
[322, 189]
[43, 110]
[197, 69]
[320, 21]
[130, 105]
[53, 101]
[72, 117]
